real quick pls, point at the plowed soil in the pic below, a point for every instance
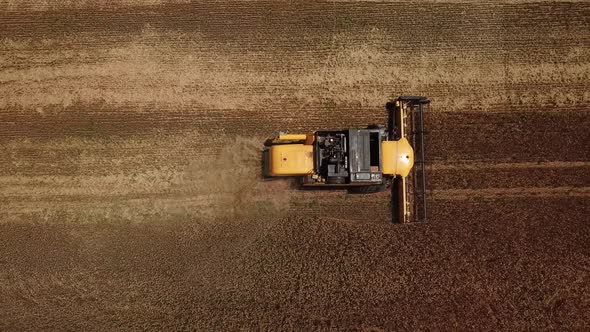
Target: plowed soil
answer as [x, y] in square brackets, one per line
[130, 139]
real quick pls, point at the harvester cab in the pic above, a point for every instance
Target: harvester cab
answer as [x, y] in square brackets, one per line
[361, 160]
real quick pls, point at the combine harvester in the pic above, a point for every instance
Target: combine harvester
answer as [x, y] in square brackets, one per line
[366, 160]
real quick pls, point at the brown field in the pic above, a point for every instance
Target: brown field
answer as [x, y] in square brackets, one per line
[130, 139]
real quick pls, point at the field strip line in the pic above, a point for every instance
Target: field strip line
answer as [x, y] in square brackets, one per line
[462, 194]
[506, 165]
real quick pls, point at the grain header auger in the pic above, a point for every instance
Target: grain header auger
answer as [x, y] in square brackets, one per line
[362, 160]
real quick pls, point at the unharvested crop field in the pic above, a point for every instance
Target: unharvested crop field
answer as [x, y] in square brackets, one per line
[130, 139]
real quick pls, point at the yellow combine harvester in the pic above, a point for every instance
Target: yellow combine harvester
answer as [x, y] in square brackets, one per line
[365, 160]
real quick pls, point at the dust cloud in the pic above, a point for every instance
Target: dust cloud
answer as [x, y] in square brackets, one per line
[231, 184]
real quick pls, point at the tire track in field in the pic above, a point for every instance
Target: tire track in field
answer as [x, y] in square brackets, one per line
[505, 193]
[492, 164]
[487, 179]
[507, 175]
